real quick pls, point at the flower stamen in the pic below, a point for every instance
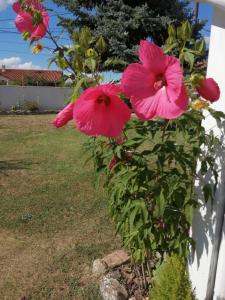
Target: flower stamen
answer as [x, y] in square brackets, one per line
[159, 82]
[103, 99]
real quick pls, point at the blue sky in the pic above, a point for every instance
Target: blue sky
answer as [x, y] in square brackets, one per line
[14, 52]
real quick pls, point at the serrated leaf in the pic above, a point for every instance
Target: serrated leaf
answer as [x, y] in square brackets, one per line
[112, 62]
[200, 46]
[76, 90]
[189, 58]
[101, 45]
[186, 31]
[161, 203]
[179, 32]
[91, 64]
[218, 115]
[170, 47]
[189, 213]
[61, 62]
[172, 31]
[85, 37]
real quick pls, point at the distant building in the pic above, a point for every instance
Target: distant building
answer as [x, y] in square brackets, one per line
[29, 77]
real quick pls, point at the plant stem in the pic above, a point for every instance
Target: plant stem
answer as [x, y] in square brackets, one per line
[58, 47]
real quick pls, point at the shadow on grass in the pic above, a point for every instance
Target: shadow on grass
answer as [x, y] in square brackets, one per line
[10, 165]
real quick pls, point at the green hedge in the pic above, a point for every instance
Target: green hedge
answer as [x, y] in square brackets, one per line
[171, 281]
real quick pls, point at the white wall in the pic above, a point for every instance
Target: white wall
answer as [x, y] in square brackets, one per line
[49, 98]
[205, 220]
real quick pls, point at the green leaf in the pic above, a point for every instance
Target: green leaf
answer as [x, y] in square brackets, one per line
[170, 47]
[186, 31]
[189, 58]
[101, 45]
[61, 62]
[76, 36]
[26, 36]
[172, 31]
[113, 62]
[91, 64]
[91, 53]
[78, 65]
[161, 203]
[218, 115]
[77, 90]
[179, 32]
[200, 46]
[85, 37]
[189, 213]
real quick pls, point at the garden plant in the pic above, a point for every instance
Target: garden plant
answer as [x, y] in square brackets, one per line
[146, 133]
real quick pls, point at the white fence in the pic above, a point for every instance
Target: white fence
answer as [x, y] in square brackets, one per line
[48, 98]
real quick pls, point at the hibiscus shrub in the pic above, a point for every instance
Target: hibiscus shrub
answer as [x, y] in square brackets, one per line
[150, 168]
[146, 162]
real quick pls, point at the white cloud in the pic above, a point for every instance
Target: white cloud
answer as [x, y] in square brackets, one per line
[5, 3]
[16, 63]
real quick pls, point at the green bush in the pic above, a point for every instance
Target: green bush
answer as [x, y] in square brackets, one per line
[171, 281]
[31, 105]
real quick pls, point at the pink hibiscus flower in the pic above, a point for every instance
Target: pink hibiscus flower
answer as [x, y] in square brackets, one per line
[209, 89]
[155, 86]
[99, 111]
[24, 20]
[64, 116]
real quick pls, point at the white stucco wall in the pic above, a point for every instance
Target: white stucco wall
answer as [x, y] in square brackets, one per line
[47, 97]
[206, 218]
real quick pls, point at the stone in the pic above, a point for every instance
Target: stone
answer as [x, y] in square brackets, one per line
[99, 267]
[111, 289]
[130, 278]
[115, 274]
[116, 259]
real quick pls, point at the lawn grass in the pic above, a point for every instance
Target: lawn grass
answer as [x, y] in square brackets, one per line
[53, 222]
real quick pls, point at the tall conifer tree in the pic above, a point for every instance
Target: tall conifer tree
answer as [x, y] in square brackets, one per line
[124, 22]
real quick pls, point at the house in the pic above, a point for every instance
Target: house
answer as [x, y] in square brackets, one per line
[29, 77]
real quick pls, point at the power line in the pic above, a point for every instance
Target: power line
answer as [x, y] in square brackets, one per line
[10, 42]
[53, 15]
[23, 52]
[18, 33]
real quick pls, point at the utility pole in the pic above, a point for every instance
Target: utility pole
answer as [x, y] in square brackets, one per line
[196, 11]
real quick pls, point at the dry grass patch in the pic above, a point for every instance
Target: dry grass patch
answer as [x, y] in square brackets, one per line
[53, 222]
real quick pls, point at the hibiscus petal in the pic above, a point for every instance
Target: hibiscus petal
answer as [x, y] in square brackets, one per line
[152, 57]
[45, 19]
[209, 89]
[39, 31]
[110, 89]
[146, 108]
[24, 22]
[171, 110]
[64, 116]
[96, 119]
[16, 7]
[159, 105]
[173, 75]
[137, 82]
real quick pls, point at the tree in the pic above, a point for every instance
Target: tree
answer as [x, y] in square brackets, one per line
[123, 23]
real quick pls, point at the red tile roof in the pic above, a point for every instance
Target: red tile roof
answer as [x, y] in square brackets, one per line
[22, 75]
